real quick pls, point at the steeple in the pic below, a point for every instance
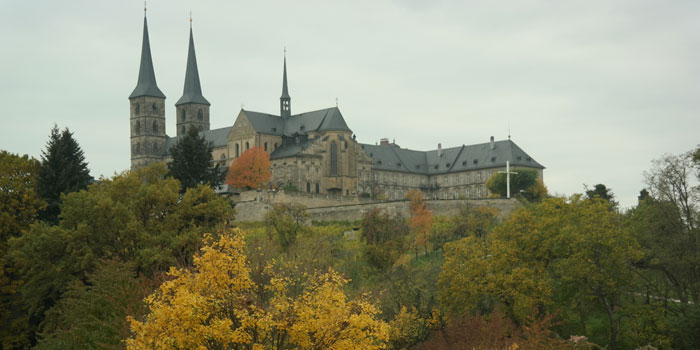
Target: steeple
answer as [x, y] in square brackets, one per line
[285, 100]
[146, 85]
[192, 92]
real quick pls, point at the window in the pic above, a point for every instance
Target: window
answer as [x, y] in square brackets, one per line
[476, 161]
[154, 108]
[308, 187]
[317, 188]
[137, 110]
[237, 151]
[247, 145]
[155, 126]
[183, 115]
[183, 129]
[155, 146]
[493, 159]
[200, 115]
[137, 127]
[275, 145]
[265, 146]
[138, 148]
[334, 159]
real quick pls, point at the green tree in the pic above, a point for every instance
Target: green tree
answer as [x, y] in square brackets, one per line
[601, 191]
[286, 222]
[385, 236]
[19, 207]
[525, 180]
[192, 162]
[137, 217]
[63, 170]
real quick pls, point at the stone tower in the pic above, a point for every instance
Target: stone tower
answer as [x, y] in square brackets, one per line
[285, 100]
[192, 108]
[147, 112]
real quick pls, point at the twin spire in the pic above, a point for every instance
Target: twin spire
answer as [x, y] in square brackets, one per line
[192, 91]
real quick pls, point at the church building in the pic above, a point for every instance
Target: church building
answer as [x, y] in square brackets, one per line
[316, 151]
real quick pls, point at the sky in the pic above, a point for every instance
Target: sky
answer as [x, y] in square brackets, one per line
[593, 90]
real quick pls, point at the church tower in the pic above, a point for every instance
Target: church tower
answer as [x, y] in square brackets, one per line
[192, 108]
[285, 100]
[147, 104]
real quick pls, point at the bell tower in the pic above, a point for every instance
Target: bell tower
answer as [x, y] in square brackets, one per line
[192, 108]
[285, 100]
[147, 109]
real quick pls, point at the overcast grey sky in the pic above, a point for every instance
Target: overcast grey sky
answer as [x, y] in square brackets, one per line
[594, 90]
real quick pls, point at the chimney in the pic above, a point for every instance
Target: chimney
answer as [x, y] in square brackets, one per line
[493, 144]
[439, 150]
[384, 141]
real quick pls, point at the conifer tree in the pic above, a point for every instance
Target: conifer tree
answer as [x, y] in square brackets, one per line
[63, 170]
[192, 162]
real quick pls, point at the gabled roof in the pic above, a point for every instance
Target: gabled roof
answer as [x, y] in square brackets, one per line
[472, 157]
[329, 119]
[217, 138]
[292, 149]
[192, 92]
[146, 85]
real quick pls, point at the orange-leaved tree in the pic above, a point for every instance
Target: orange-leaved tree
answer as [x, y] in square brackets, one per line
[250, 170]
[421, 219]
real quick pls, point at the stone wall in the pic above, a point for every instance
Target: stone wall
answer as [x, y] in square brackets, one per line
[255, 210]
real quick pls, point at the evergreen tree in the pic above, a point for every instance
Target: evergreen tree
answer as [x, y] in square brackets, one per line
[63, 170]
[192, 162]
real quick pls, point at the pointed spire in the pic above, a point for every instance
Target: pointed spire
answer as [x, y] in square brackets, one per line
[285, 99]
[146, 85]
[192, 92]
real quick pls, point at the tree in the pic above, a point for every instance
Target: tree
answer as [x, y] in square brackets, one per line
[421, 219]
[601, 191]
[19, 207]
[63, 170]
[192, 162]
[137, 217]
[250, 170]
[385, 237]
[212, 307]
[287, 221]
[524, 181]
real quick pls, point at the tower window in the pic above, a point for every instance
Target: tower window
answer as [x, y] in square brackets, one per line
[183, 129]
[200, 115]
[155, 146]
[137, 127]
[138, 148]
[155, 109]
[334, 159]
[155, 126]
[265, 146]
[136, 109]
[183, 115]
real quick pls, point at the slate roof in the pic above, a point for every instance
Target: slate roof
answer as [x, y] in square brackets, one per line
[468, 157]
[292, 149]
[217, 138]
[192, 92]
[146, 85]
[329, 119]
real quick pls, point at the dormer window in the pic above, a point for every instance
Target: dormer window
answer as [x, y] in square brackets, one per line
[302, 127]
[274, 129]
[464, 163]
[493, 159]
[476, 161]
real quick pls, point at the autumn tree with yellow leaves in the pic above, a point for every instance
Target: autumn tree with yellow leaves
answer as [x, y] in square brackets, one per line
[213, 306]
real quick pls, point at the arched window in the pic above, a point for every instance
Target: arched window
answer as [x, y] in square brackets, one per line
[334, 159]
[247, 145]
[138, 148]
[155, 126]
[201, 128]
[183, 115]
[137, 109]
[155, 109]
[200, 115]
[275, 145]
[137, 127]
[317, 188]
[265, 146]
[308, 187]
[237, 150]
[183, 129]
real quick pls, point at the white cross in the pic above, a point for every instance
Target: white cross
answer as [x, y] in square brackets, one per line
[507, 172]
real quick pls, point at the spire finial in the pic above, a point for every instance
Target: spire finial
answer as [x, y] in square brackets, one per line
[336, 102]
[190, 18]
[145, 7]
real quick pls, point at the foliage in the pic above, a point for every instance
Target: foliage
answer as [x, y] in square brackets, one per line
[601, 191]
[92, 315]
[385, 236]
[192, 162]
[135, 217]
[474, 221]
[525, 180]
[250, 170]
[19, 207]
[212, 306]
[561, 254]
[409, 328]
[63, 170]
[421, 219]
[290, 188]
[286, 221]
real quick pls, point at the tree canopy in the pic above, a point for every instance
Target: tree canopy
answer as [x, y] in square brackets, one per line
[525, 182]
[250, 170]
[192, 162]
[63, 170]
